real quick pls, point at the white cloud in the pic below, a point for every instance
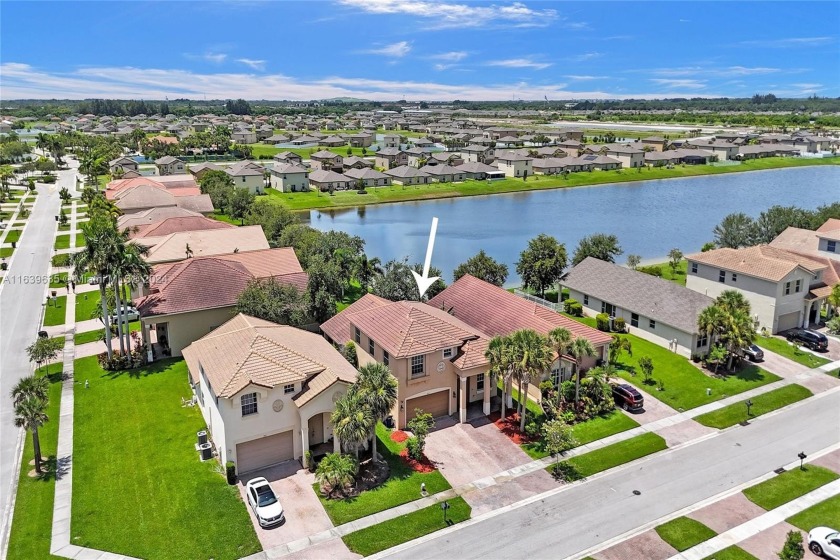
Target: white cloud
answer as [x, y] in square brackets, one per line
[586, 56]
[255, 64]
[394, 50]
[446, 15]
[585, 78]
[789, 42]
[452, 56]
[22, 81]
[216, 58]
[679, 83]
[519, 63]
[717, 72]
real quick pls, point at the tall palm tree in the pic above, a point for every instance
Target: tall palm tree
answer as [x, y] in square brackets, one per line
[533, 356]
[378, 389]
[560, 340]
[367, 269]
[580, 348]
[352, 420]
[711, 321]
[498, 355]
[33, 386]
[130, 269]
[31, 414]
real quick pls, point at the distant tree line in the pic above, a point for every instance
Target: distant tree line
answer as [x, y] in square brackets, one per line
[740, 230]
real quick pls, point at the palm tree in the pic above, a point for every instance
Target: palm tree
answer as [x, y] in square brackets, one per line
[32, 386]
[352, 420]
[710, 321]
[30, 414]
[618, 345]
[378, 389]
[336, 471]
[560, 340]
[129, 268]
[367, 269]
[498, 355]
[532, 356]
[580, 348]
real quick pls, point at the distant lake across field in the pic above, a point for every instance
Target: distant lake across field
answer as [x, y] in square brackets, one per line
[649, 217]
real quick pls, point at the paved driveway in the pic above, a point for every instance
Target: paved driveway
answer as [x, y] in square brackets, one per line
[304, 513]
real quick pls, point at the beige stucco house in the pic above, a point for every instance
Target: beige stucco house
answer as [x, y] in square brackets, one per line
[169, 165]
[267, 391]
[289, 177]
[247, 175]
[514, 164]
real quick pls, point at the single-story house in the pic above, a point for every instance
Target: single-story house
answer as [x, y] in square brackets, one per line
[407, 175]
[480, 171]
[330, 180]
[355, 162]
[443, 173]
[368, 177]
[200, 169]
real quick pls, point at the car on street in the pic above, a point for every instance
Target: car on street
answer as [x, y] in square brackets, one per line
[825, 542]
[808, 338]
[264, 502]
[753, 353]
[628, 397]
[129, 313]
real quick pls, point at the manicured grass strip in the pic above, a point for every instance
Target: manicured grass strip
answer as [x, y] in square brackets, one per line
[789, 351]
[32, 522]
[683, 532]
[96, 336]
[87, 304]
[731, 553]
[13, 235]
[405, 528]
[6, 252]
[611, 456]
[823, 514]
[170, 491]
[401, 487]
[55, 311]
[589, 431]
[534, 409]
[762, 404]
[788, 486]
[667, 273]
[62, 242]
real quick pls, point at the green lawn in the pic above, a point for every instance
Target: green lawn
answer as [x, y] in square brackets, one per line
[55, 311]
[612, 455]
[685, 384]
[401, 487]
[683, 533]
[13, 235]
[397, 193]
[62, 242]
[32, 522]
[87, 304]
[129, 501]
[268, 150]
[534, 409]
[353, 293]
[825, 514]
[668, 273]
[731, 553]
[589, 431]
[762, 404]
[80, 239]
[96, 336]
[788, 486]
[783, 348]
[6, 252]
[406, 527]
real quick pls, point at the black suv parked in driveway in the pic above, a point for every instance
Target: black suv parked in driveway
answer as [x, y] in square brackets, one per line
[810, 339]
[628, 397]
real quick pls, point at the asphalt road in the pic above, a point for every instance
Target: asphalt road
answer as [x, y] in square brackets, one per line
[589, 514]
[21, 296]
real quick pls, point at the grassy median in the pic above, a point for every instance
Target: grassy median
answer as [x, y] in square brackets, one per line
[683, 533]
[608, 457]
[788, 486]
[761, 404]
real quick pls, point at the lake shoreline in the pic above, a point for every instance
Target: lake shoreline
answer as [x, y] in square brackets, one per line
[553, 183]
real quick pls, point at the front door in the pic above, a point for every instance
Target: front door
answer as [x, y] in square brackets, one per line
[316, 429]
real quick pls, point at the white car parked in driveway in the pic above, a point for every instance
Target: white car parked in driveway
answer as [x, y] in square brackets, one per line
[129, 313]
[264, 502]
[824, 542]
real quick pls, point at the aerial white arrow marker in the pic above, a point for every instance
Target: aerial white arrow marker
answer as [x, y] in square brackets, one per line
[423, 282]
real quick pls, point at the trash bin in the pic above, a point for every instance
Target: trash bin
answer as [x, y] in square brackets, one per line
[389, 422]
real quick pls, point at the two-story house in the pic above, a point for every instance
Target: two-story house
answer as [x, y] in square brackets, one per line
[169, 165]
[247, 175]
[289, 177]
[514, 164]
[388, 158]
[326, 161]
[776, 282]
[267, 391]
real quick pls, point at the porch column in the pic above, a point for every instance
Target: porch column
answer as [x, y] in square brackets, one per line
[807, 318]
[486, 404]
[462, 401]
[147, 341]
[304, 440]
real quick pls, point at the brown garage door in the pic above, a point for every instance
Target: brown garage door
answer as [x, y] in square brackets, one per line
[436, 404]
[259, 453]
[788, 321]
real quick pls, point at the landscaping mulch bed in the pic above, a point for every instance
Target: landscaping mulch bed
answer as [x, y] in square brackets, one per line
[399, 436]
[421, 466]
[371, 474]
[509, 426]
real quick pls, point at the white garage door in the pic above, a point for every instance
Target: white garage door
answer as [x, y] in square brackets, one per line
[259, 453]
[436, 404]
[788, 321]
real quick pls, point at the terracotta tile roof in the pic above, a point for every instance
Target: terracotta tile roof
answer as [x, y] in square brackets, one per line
[153, 215]
[171, 183]
[797, 240]
[497, 312]
[249, 351]
[472, 354]
[203, 243]
[832, 224]
[338, 326]
[178, 224]
[212, 282]
[761, 261]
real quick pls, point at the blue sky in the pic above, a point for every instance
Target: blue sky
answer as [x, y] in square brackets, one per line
[393, 49]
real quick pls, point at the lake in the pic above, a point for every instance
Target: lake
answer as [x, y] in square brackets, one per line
[649, 218]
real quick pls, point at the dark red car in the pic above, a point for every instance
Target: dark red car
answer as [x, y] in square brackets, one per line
[628, 397]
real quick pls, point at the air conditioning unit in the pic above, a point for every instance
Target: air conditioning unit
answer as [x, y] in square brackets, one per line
[206, 451]
[202, 437]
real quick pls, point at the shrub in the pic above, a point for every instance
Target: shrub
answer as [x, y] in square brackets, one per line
[558, 436]
[230, 472]
[415, 448]
[834, 325]
[532, 429]
[307, 457]
[647, 368]
[576, 310]
[48, 179]
[652, 270]
[61, 260]
[602, 322]
[335, 473]
[793, 549]
[349, 353]
[569, 304]
[619, 325]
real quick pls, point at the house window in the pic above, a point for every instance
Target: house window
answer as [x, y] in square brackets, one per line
[370, 346]
[787, 288]
[831, 247]
[734, 277]
[386, 358]
[585, 299]
[694, 268]
[357, 335]
[418, 366]
[652, 324]
[243, 178]
[249, 403]
[722, 276]
[702, 341]
[603, 307]
[479, 382]
[447, 352]
[290, 388]
[634, 319]
[798, 286]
